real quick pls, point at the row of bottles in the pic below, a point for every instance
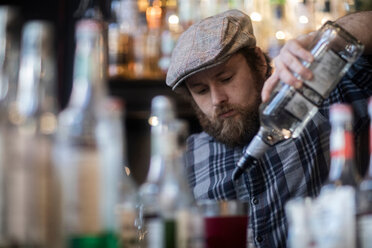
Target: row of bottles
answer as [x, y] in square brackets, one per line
[341, 215]
[142, 33]
[63, 181]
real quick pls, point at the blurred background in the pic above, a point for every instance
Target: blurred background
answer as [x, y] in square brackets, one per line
[142, 34]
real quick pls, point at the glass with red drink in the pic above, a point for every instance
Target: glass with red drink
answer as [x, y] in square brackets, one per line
[226, 223]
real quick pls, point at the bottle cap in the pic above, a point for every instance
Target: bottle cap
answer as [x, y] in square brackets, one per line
[340, 112]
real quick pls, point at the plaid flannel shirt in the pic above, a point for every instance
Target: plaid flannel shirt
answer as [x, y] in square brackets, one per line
[294, 168]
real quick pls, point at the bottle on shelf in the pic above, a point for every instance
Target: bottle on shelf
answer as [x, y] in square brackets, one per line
[289, 110]
[31, 203]
[121, 32]
[162, 115]
[89, 147]
[364, 211]
[154, 17]
[171, 29]
[279, 34]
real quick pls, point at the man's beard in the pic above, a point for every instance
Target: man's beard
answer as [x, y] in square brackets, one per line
[231, 131]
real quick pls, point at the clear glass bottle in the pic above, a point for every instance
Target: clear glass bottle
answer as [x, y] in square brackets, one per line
[88, 149]
[289, 109]
[182, 219]
[162, 115]
[31, 202]
[364, 214]
[9, 61]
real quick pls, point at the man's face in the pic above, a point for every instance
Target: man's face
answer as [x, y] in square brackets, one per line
[226, 100]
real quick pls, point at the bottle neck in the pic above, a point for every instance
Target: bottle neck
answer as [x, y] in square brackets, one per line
[36, 85]
[162, 150]
[89, 82]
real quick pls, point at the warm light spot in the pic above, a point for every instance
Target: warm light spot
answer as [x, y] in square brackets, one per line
[154, 121]
[280, 35]
[286, 133]
[173, 19]
[256, 17]
[303, 19]
[127, 170]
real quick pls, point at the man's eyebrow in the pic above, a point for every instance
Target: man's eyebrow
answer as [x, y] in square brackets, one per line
[194, 84]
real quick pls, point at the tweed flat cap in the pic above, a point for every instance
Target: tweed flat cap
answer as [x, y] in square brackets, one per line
[208, 43]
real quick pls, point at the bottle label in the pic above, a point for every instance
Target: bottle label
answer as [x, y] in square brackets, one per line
[128, 234]
[342, 144]
[326, 71]
[332, 219]
[299, 106]
[365, 230]
[89, 191]
[155, 233]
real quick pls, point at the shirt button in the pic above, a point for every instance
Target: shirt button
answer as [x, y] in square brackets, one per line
[259, 239]
[254, 201]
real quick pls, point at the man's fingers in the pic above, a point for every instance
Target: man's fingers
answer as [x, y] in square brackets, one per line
[290, 63]
[269, 86]
[294, 47]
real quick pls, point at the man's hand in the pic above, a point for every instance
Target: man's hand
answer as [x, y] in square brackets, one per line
[289, 62]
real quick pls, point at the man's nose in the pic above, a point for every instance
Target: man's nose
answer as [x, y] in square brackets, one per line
[218, 95]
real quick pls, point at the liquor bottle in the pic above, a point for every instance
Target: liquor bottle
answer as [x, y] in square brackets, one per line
[31, 202]
[342, 169]
[162, 115]
[177, 205]
[289, 109]
[279, 34]
[364, 214]
[88, 148]
[121, 32]
[9, 52]
[171, 29]
[154, 17]
[333, 215]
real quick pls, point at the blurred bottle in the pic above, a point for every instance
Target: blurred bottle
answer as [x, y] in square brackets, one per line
[171, 30]
[182, 222]
[342, 169]
[303, 19]
[333, 214]
[162, 115]
[365, 198]
[121, 32]
[9, 61]
[31, 205]
[9, 54]
[88, 149]
[154, 17]
[322, 12]
[279, 34]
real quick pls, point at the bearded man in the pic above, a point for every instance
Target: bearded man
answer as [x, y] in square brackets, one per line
[218, 67]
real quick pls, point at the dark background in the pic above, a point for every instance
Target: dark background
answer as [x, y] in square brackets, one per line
[136, 94]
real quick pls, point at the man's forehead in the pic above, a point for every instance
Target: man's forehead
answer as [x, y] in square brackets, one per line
[217, 70]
